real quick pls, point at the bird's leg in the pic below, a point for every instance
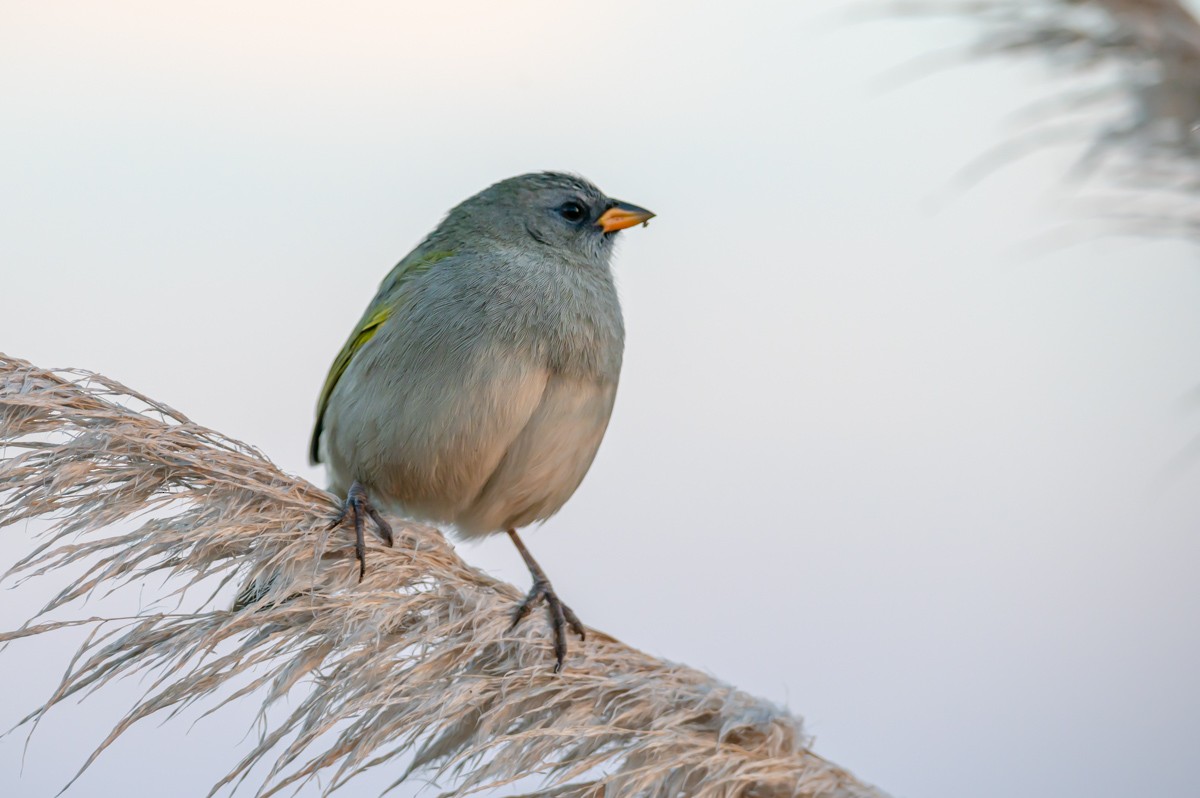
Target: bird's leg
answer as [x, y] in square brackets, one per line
[560, 614]
[357, 505]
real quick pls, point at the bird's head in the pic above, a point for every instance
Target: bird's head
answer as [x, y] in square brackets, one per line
[550, 211]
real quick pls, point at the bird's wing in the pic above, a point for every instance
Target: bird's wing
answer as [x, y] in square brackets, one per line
[376, 315]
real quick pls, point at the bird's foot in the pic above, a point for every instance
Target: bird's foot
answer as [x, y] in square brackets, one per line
[561, 616]
[358, 507]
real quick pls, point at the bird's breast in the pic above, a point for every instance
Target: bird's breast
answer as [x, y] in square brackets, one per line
[574, 316]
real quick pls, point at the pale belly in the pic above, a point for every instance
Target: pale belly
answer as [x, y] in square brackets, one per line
[546, 462]
[509, 451]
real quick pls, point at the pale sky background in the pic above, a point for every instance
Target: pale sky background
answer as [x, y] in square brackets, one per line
[868, 458]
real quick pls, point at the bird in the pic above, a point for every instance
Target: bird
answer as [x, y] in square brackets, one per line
[476, 388]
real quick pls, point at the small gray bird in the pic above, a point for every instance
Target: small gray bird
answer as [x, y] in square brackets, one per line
[476, 387]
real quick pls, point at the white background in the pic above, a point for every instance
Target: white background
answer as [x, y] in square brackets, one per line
[871, 458]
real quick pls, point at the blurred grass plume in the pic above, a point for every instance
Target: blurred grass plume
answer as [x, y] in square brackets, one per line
[1129, 97]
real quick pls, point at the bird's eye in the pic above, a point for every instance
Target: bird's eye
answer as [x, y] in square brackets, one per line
[572, 211]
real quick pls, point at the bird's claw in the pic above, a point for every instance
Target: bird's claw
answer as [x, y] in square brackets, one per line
[357, 505]
[561, 617]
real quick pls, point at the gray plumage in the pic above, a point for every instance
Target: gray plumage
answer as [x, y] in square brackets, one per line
[481, 397]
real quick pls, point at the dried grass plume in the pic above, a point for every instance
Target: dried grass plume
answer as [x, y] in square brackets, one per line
[414, 669]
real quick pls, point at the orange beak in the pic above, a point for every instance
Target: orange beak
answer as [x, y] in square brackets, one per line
[622, 215]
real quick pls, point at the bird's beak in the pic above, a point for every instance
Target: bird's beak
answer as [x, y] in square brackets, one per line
[622, 215]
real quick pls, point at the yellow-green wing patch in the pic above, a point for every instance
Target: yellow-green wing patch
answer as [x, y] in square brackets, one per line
[363, 334]
[370, 324]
